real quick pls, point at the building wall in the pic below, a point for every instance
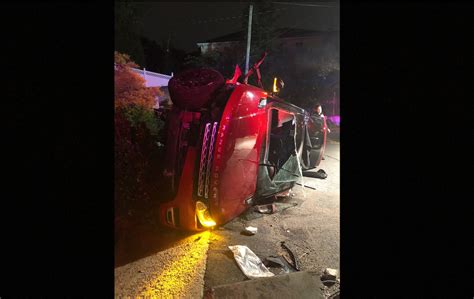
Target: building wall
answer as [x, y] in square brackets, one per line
[153, 79]
[156, 80]
[220, 46]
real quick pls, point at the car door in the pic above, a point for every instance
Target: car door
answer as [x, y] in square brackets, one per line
[317, 133]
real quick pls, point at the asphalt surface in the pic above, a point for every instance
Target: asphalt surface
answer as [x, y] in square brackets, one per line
[307, 221]
[159, 263]
[174, 272]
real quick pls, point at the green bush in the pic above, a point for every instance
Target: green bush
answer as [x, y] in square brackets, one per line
[137, 115]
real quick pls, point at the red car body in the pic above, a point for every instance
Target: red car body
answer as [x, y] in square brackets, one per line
[228, 155]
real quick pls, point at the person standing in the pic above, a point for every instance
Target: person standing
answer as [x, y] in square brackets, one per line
[319, 118]
[318, 111]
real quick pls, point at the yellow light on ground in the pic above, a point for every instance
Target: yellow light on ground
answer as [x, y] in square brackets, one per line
[203, 215]
[179, 279]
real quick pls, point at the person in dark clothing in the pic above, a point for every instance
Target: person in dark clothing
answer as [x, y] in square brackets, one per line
[318, 117]
[318, 113]
[318, 110]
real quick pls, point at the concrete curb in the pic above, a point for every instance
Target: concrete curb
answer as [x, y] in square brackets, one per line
[293, 285]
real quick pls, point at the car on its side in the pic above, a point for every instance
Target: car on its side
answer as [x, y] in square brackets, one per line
[230, 144]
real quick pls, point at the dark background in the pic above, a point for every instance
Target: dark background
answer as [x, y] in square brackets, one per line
[405, 146]
[187, 23]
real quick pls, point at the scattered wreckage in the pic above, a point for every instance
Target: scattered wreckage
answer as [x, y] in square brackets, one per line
[230, 144]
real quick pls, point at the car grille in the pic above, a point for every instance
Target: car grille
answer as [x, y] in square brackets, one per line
[205, 163]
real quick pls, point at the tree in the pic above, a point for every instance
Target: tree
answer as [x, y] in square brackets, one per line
[130, 87]
[263, 37]
[136, 132]
[317, 76]
[127, 30]
[175, 58]
[222, 61]
[264, 32]
[154, 55]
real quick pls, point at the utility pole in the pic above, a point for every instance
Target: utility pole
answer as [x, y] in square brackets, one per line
[249, 36]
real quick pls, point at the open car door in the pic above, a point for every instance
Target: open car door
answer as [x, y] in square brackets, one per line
[316, 140]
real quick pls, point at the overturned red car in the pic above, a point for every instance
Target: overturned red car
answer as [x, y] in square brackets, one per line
[230, 144]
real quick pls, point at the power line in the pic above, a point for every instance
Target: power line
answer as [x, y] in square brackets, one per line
[217, 20]
[328, 4]
[235, 17]
[298, 22]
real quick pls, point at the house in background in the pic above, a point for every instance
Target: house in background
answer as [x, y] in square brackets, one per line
[157, 80]
[304, 50]
[295, 43]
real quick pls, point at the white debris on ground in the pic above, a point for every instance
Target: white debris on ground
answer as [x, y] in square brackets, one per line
[251, 230]
[249, 262]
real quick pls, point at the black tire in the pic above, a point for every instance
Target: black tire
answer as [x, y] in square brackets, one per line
[192, 89]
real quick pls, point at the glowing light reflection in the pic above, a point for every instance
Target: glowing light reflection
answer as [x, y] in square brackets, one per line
[203, 215]
[175, 279]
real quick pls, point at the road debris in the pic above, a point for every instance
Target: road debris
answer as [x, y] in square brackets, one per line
[266, 209]
[279, 207]
[306, 186]
[329, 277]
[249, 262]
[278, 262]
[295, 262]
[320, 174]
[303, 255]
[250, 231]
[329, 274]
[284, 193]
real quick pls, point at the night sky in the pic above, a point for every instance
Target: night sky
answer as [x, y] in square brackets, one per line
[188, 23]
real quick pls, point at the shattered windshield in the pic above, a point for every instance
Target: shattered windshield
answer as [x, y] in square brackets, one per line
[281, 165]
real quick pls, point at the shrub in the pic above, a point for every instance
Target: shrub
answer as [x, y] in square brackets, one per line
[137, 130]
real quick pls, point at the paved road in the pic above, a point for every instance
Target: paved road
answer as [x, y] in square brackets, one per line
[170, 264]
[309, 225]
[175, 271]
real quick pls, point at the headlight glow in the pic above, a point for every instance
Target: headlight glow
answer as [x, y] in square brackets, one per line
[203, 215]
